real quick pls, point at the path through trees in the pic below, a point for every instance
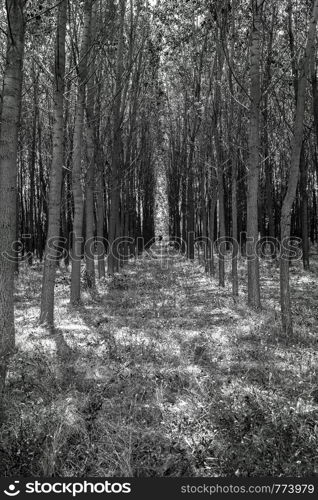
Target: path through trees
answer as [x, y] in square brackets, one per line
[193, 121]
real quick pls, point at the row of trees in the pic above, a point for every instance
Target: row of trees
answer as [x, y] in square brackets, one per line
[79, 130]
[97, 94]
[242, 129]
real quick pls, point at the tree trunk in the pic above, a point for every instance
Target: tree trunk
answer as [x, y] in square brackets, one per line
[217, 133]
[235, 284]
[190, 203]
[268, 164]
[221, 245]
[304, 206]
[91, 138]
[32, 163]
[113, 257]
[212, 207]
[53, 234]
[77, 159]
[234, 166]
[100, 216]
[10, 115]
[254, 298]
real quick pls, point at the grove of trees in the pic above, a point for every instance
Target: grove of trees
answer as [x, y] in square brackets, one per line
[97, 94]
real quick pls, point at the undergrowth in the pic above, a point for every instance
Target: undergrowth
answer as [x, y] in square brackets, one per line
[163, 375]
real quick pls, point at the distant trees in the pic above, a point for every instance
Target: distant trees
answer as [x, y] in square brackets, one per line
[244, 181]
[87, 184]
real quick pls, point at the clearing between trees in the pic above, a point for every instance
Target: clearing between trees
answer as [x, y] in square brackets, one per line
[162, 373]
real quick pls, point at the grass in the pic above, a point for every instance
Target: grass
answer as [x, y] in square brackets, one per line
[163, 374]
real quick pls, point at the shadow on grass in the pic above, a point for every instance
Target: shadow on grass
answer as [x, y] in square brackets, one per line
[164, 376]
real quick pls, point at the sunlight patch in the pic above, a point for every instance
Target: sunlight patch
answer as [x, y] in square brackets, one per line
[193, 369]
[73, 326]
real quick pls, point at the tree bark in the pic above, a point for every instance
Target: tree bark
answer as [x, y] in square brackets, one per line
[54, 211]
[190, 203]
[268, 164]
[303, 189]
[91, 139]
[235, 283]
[10, 116]
[254, 298]
[77, 159]
[100, 216]
[114, 232]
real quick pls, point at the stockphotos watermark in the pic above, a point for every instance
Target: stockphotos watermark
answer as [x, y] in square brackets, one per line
[72, 488]
[124, 248]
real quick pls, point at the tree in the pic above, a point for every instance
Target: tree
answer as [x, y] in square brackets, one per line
[254, 298]
[53, 233]
[77, 157]
[114, 221]
[10, 115]
[91, 151]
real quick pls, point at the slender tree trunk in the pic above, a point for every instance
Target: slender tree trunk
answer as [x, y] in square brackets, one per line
[217, 133]
[221, 214]
[184, 211]
[190, 203]
[10, 115]
[194, 128]
[53, 234]
[77, 159]
[289, 198]
[184, 181]
[221, 207]
[254, 298]
[234, 166]
[92, 151]
[203, 207]
[313, 217]
[100, 216]
[303, 188]
[32, 163]
[91, 138]
[268, 165]
[314, 87]
[113, 258]
[43, 190]
[90, 185]
[212, 207]
[235, 284]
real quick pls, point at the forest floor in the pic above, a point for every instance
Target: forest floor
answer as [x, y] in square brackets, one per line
[161, 373]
